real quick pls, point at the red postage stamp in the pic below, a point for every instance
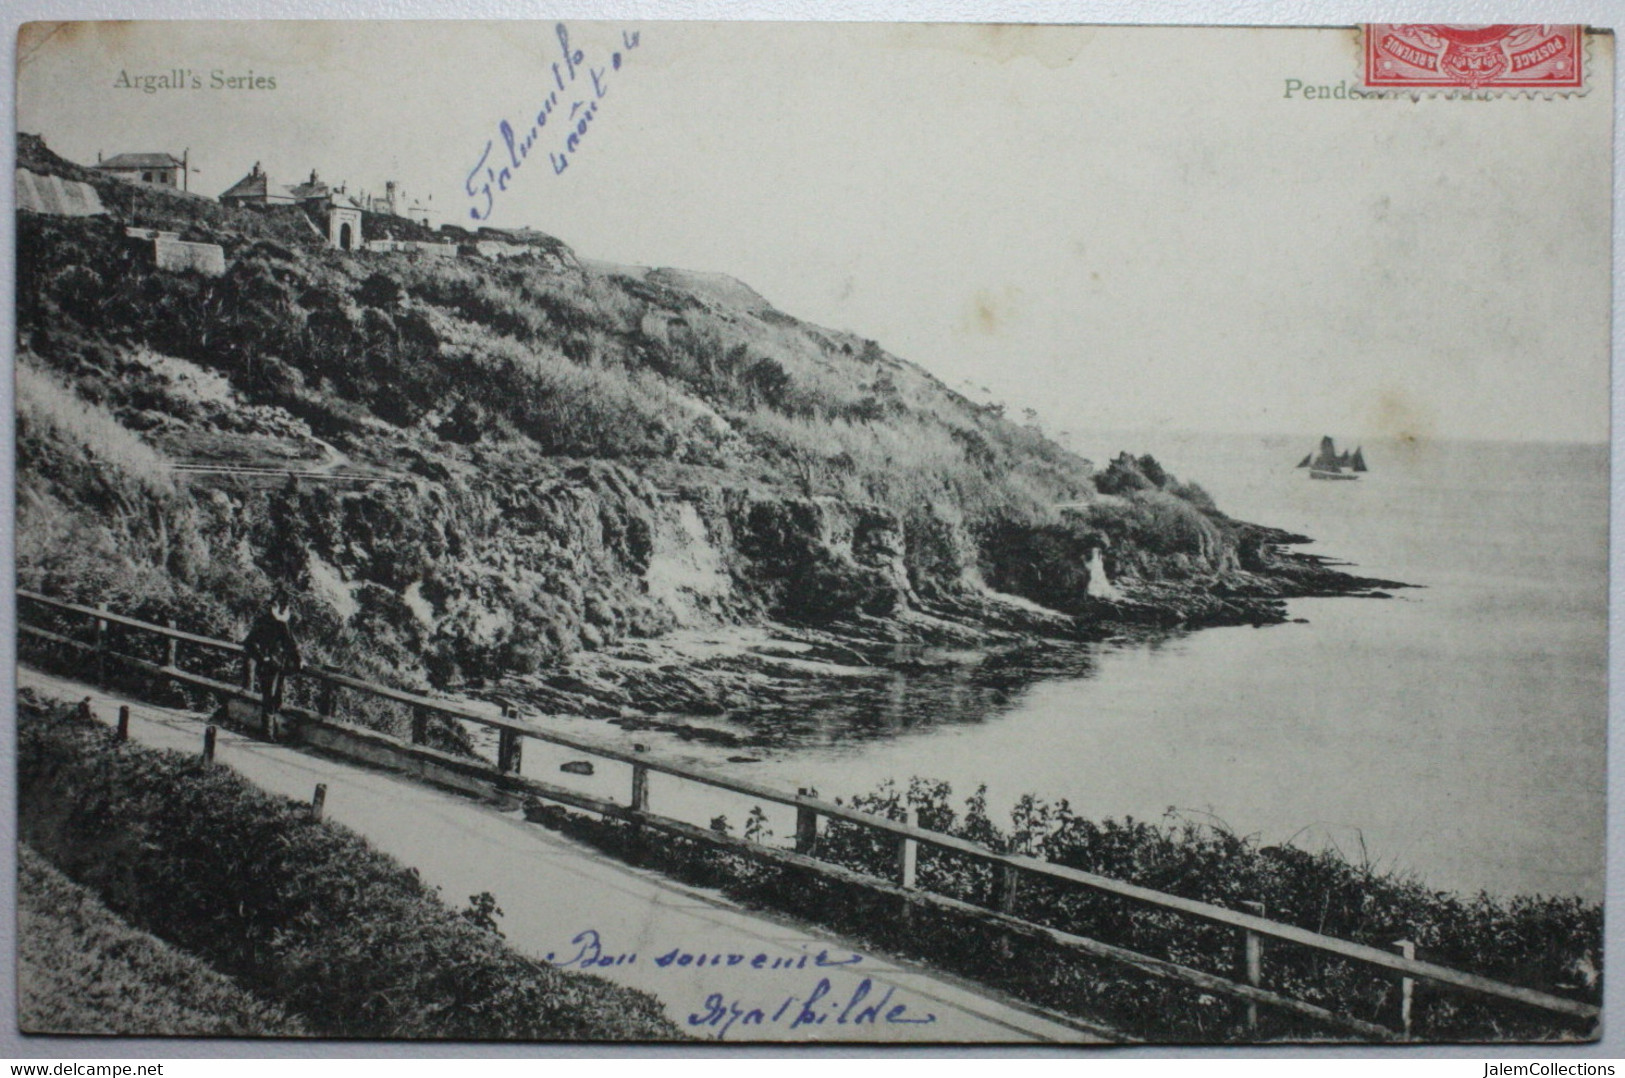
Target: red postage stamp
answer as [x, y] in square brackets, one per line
[1500, 57]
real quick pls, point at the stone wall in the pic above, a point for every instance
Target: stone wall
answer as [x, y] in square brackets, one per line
[205, 258]
[422, 247]
[495, 249]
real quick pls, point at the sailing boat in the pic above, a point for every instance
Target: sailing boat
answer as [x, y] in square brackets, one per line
[1328, 463]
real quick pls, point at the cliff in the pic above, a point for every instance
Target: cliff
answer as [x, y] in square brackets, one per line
[469, 470]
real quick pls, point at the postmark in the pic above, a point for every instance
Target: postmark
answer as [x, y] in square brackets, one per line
[1473, 58]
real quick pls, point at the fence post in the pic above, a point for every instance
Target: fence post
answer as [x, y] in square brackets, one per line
[208, 744]
[420, 726]
[806, 826]
[1407, 986]
[908, 852]
[101, 648]
[248, 674]
[908, 857]
[1252, 960]
[123, 722]
[1005, 893]
[637, 837]
[318, 803]
[170, 646]
[1006, 882]
[640, 788]
[509, 746]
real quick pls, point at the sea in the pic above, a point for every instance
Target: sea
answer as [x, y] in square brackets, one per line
[1454, 733]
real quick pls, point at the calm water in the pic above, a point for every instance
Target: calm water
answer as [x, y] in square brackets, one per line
[1456, 731]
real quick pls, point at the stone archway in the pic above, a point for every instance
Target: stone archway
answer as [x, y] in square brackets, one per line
[346, 239]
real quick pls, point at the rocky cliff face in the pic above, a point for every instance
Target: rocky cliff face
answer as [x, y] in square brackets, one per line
[470, 469]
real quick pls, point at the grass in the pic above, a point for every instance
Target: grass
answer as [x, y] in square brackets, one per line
[48, 409]
[81, 971]
[304, 914]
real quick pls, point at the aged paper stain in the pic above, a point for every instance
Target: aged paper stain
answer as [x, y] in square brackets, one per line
[34, 36]
[991, 310]
[1400, 415]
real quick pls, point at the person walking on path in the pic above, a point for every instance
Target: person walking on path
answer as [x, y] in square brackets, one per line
[271, 646]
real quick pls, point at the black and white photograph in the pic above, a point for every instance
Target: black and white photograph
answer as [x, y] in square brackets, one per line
[626, 531]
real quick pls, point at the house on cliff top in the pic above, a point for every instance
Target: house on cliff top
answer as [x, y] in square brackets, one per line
[331, 210]
[395, 203]
[160, 168]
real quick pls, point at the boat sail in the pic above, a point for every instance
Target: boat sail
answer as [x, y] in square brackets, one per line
[1328, 463]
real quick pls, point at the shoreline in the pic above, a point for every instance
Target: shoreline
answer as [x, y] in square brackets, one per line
[682, 681]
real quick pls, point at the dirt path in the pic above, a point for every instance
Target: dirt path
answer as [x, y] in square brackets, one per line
[761, 978]
[328, 469]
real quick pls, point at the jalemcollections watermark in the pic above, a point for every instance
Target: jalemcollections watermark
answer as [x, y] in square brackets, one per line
[1547, 1070]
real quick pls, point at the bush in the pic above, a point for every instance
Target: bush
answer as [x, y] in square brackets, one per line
[1548, 943]
[82, 971]
[303, 913]
[1539, 942]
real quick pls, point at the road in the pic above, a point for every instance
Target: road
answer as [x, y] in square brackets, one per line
[760, 980]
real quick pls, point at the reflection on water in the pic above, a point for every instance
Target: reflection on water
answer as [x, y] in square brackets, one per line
[1455, 732]
[922, 688]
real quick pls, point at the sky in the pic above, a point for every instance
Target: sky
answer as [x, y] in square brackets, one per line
[1121, 228]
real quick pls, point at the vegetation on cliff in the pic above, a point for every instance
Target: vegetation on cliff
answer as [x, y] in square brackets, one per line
[82, 971]
[304, 914]
[502, 463]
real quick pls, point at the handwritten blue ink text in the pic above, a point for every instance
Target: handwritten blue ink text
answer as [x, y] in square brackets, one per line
[591, 953]
[720, 1014]
[573, 79]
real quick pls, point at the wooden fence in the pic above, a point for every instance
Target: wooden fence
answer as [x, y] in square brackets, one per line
[1252, 929]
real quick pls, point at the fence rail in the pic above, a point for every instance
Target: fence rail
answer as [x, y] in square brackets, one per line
[1252, 927]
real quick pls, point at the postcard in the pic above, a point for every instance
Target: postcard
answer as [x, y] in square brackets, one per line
[640, 532]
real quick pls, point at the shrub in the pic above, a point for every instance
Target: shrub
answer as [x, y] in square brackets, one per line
[82, 971]
[1548, 943]
[1535, 941]
[305, 914]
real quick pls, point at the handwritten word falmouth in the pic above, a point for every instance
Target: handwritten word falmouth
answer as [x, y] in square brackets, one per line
[574, 79]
